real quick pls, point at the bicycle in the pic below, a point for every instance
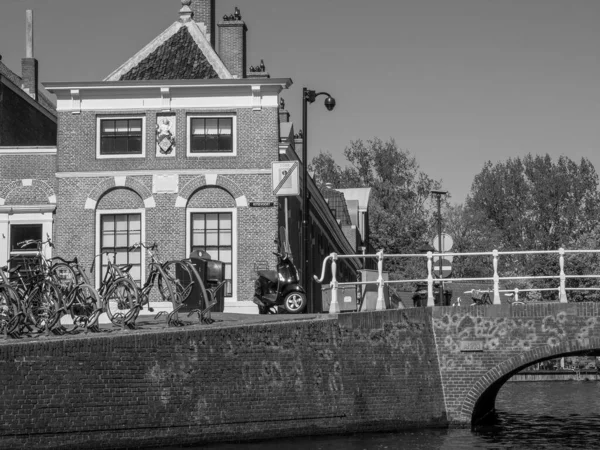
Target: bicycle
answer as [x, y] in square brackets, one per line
[166, 282]
[118, 294]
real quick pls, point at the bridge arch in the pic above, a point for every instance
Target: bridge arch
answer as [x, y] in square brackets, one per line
[479, 403]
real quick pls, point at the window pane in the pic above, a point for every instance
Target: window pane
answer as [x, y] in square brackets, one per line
[121, 126]
[225, 255]
[135, 126]
[225, 143]
[108, 240]
[121, 222]
[212, 238]
[198, 239]
[198, 221]
[134, 238]
[225, 238]
[121, 257]
[134, 145]
[213, 252]
[135, 222]
[135, 257]
[198, 144]
[212, 126]
[20, 233]
[212, 143]
[225, 221]
[225, 126]
[120, 144]
[121, 239]
[107, 126]
[136, 273]
[198, 127]
[212, 221]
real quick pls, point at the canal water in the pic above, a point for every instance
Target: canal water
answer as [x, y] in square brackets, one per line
[531, 415]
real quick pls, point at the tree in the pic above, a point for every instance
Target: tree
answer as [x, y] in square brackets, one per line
[536, 204]
[400, 211]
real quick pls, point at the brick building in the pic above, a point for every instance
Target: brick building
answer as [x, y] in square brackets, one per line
[176, 147]
[28, 127]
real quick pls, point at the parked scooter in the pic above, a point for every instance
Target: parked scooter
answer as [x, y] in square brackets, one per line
[279, 290]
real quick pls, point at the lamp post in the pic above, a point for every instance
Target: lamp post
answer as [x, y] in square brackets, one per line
[438, 194]
[308, 96]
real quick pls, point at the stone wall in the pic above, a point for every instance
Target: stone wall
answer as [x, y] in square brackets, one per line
[354, 373]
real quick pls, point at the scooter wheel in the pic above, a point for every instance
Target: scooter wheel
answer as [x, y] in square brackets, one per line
[295, 302]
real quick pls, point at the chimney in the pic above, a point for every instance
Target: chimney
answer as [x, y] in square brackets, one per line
[204, 11]
[232, 44]
[29, 65]
[284, 115]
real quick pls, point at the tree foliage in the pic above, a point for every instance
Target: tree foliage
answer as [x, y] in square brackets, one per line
[400, 210]
[534, 203]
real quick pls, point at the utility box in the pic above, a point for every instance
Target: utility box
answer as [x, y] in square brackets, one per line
[369, 291]
[346, 298]
[212, 273]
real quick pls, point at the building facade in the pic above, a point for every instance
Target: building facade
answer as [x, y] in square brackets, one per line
[175, 147]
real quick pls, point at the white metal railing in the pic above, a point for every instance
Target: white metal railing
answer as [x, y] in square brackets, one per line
[334, 306]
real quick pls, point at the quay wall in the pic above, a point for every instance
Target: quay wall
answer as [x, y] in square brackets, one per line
[372, 371]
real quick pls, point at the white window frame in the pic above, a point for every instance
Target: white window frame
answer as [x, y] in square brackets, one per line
[6, 220]
[211, 154]
[99, 120]
[98, 265]
[234, 241]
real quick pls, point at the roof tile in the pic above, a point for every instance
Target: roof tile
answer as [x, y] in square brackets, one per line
[179, 58]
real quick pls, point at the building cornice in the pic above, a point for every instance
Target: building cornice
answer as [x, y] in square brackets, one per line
[55, 87]
[133, 173]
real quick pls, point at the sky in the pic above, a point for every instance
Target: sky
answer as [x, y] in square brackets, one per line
[454, 82]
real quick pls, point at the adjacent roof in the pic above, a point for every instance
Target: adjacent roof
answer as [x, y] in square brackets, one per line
[360, 194]
[181, 52]
[337, 203]
[43, 99]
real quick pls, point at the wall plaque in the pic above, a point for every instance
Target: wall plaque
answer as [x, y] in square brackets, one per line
[165, 135]
[471, 346]
[261, 204]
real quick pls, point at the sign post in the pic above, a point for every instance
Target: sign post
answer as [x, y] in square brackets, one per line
[285, 178]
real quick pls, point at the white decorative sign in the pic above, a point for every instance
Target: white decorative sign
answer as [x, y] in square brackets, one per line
[165, 135]
[165, 184]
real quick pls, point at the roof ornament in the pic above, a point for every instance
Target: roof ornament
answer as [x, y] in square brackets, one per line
[185, 13]
[237, 14]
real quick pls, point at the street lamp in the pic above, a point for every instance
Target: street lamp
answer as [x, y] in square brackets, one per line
[308, 96]
[438, 194]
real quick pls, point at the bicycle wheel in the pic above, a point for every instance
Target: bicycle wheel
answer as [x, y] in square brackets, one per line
[43, 303]
[120, 297]
[181, 278]
[83, 301]
[64, 276]
[9, 306]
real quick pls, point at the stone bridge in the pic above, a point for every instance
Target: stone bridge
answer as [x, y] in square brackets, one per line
[479, 348]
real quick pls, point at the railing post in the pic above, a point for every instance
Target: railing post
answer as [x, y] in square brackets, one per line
[430, 300]
[496, 279]
[563, 277]
[380, 305]
[334, 306]
[516, 294]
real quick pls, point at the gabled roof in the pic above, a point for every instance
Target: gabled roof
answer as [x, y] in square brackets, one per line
[181, 52]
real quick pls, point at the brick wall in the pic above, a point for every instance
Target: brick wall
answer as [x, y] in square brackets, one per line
[257, 143]
[21, 124]
[232, 46]
[366, 372]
